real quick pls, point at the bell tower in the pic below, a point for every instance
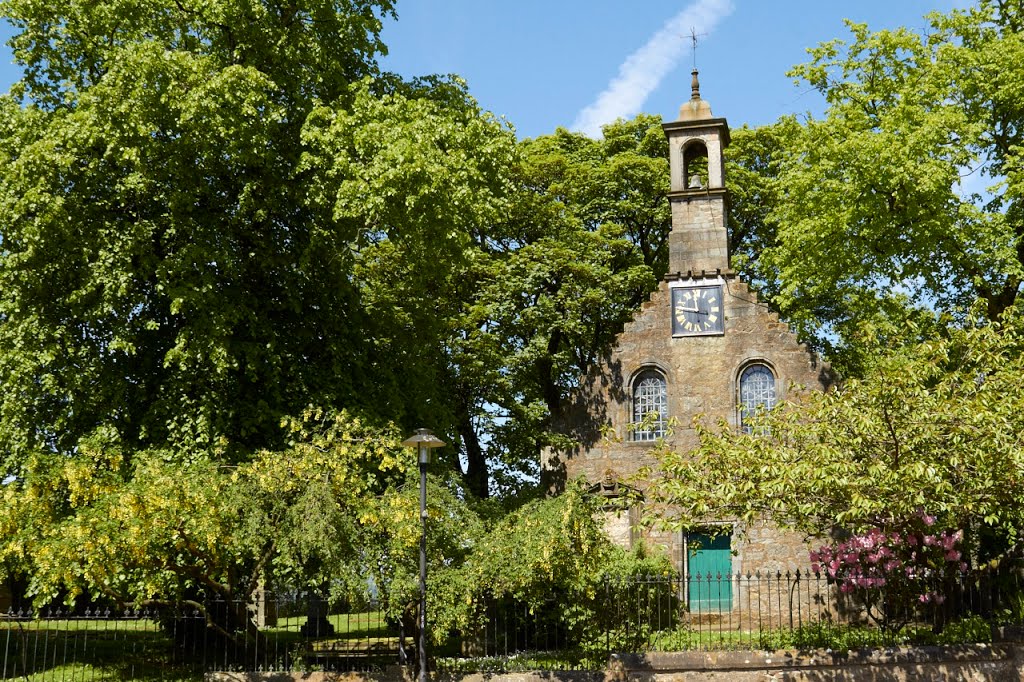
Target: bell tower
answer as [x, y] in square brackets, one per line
[702, 347]
[698, 242]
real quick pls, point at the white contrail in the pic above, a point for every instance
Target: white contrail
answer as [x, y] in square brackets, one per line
[643, 70]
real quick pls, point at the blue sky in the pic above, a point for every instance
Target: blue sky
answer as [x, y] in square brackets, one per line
[542, 64]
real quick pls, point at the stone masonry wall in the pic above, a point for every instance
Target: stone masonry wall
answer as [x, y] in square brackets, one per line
[699, 241]
[702, 374]
[1001, 662]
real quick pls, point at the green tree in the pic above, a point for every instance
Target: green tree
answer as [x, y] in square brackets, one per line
[422, 181]
[519, 262]
[199, 243]
[214, 216]
[753, 163]
[197, 204]
[585, 236]
[619, 180]
[146, 527]
[205, 232]
[164, 272]
[905, 197]
[930, 428]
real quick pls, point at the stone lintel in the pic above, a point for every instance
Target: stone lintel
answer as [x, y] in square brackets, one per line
[698, 193]
[727, 273]
[696, 125]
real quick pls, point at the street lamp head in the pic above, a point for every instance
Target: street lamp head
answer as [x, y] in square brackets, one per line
[424, 438]
[424, 441]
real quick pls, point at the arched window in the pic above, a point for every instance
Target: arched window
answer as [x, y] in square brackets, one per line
[650, 395]
[695, 165]
[757, 390]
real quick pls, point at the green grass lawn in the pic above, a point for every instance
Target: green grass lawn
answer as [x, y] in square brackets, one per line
[352, 625]
[356, 635]
[82, 625]
[107, 650]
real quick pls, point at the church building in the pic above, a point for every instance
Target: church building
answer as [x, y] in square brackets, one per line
[701, 345]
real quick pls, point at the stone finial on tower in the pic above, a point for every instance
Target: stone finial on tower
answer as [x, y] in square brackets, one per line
[695, 109]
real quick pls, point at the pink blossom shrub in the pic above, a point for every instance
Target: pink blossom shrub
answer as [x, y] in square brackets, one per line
[891, 568]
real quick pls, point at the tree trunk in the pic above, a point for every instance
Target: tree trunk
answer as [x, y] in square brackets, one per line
[475, 476]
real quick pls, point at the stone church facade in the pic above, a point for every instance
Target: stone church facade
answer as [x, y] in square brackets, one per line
[701, 345]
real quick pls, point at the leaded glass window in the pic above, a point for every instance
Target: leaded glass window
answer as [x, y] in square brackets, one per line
[757, 390]
[650, 397]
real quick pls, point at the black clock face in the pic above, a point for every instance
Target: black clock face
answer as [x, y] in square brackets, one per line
[697, 310]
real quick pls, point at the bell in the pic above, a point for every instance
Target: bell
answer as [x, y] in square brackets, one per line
[695, 182]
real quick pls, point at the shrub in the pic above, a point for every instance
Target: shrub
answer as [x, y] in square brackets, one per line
[894, 571]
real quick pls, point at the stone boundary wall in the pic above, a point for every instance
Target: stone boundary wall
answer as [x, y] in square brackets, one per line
[395, 674]
[980, 662]
[999, 662]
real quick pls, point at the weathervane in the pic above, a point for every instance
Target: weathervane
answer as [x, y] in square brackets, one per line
[693, 40]
[694, 84]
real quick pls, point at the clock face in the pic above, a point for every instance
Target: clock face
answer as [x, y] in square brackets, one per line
[697, 310]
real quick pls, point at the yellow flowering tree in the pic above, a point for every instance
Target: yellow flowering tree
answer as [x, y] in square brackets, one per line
[156, 528]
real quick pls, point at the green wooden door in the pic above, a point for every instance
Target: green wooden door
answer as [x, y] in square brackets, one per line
[710, 572]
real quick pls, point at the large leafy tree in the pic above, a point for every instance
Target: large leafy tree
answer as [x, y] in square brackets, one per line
[214, 231]
[164, 272]
[619, 180]
[422, 183]
[214, 215]
[579, 250]
[905, 196]
[505, 274]
[496, 272]
[193, 203]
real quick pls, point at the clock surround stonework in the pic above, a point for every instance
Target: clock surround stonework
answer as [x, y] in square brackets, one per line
[701, 369]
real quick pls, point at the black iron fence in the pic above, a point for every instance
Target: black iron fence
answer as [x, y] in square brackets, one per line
[91, 643]
[760, 610]
[763, 610]
[184, 641]
[799, 609]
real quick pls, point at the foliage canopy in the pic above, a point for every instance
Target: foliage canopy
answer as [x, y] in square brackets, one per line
[913, 170]
[930, 428]
[216, 215]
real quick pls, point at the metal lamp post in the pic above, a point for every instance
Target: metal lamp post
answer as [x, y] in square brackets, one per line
[424, 441]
